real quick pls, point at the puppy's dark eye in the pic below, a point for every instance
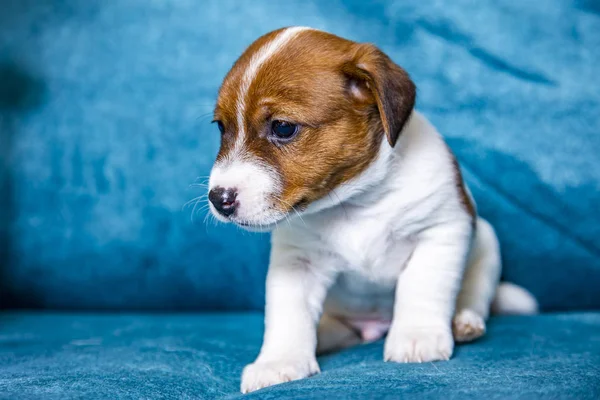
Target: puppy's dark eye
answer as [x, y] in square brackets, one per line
[220, 126]
[283, 129]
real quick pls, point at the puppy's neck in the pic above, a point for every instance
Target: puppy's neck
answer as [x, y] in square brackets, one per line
[374, 184]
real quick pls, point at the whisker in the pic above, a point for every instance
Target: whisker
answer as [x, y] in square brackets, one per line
[201, 209]
[195, 200]
[194, 212]
[202, 179]
[203, 117]
[207, 216]
[293, 208]
[341, 203]
[200, 185]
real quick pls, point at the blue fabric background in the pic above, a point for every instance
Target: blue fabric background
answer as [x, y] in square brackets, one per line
[105, 110]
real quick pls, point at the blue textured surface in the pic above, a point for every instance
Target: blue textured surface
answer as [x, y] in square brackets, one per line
[104, 124]
[202, 356]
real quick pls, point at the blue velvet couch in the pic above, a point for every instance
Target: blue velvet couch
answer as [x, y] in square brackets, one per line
[110, 288]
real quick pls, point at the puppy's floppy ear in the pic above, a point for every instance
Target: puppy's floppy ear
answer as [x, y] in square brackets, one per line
[374, 78]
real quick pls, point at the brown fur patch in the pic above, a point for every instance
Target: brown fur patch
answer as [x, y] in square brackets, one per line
[391, 88]
[460, 185]
[310, 82]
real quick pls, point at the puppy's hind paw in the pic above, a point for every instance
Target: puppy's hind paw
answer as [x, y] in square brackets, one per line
[467, 326]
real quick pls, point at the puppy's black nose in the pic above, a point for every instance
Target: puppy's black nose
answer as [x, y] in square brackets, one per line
[223, 200]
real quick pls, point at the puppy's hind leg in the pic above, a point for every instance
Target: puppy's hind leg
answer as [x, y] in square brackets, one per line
[334, 335]
[479, 284]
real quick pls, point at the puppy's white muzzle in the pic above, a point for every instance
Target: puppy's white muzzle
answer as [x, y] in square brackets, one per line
[245, 192]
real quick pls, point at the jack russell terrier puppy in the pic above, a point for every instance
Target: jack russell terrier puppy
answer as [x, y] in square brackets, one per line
[374, 230]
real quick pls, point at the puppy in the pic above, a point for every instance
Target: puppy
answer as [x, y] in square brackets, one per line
[374, 231]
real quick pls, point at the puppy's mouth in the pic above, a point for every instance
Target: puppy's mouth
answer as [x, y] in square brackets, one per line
[255, 227]
[258, 224]
[263, 225]
[289, 214]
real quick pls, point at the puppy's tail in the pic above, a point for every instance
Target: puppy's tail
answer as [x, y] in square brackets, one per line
[511, 299]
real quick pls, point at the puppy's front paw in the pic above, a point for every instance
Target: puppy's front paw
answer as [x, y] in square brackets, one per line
[261, 374]
[406, 344]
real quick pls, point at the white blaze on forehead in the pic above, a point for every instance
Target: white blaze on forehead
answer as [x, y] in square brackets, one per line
[257, 60]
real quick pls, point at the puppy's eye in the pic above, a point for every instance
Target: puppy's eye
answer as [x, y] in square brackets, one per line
[220, 126]
[283, 129]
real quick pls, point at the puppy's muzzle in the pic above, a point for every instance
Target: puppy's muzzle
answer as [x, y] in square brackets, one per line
[224, 200]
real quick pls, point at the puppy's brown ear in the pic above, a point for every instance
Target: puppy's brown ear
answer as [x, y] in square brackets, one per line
[374, 78]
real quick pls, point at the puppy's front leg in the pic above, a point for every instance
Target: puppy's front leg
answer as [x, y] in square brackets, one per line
[426, 293]
[296, 290]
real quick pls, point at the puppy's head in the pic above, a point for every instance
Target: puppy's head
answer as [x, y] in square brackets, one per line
[301, 113]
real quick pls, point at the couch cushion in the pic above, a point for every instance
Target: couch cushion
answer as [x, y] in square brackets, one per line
[105, 122]
[44, 355]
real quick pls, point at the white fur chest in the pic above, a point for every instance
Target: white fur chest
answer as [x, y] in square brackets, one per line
[365, 251]
[349, 239]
